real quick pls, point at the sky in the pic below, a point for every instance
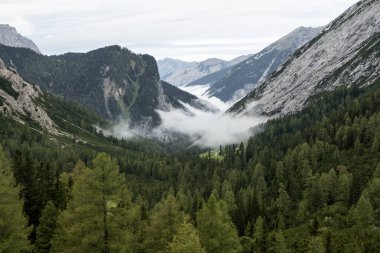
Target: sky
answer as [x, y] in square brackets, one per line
[191, 30]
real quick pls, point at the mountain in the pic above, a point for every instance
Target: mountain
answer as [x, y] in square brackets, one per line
[181, 73]
[113, 82]
[10, 37]
[346, 52]
[17, 99]
[231, 84]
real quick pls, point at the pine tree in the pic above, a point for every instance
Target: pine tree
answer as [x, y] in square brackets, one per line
[283, 205]
[217, 232]
[164, 222]
[259, 235]
[45, 229]
[186, 240]
[13, 224]
[316, 245]
[344, 185]
[375, 145]
[95, 218]
[363, 212]
[279, 244]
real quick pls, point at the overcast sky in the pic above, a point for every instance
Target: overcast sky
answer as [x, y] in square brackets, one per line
[182, 29]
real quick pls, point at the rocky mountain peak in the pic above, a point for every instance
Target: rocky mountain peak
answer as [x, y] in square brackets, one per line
[10, 37]
[345, 53]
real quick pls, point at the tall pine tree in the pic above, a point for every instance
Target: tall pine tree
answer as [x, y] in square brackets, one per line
[45, 229]
[217, 232]
[13, 224]
[95, 218]
[186, 240]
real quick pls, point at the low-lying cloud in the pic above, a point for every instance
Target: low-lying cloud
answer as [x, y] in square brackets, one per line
[208, 129]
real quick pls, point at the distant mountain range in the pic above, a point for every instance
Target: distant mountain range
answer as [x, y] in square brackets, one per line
[181, 73]
[10, 37]
[345, 53]
[114, 83]
[231, 84]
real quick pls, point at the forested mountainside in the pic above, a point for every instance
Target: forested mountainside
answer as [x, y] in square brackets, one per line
[346, 52]
[10, 37]
[244, 76]
[308, 181]
[112, 81]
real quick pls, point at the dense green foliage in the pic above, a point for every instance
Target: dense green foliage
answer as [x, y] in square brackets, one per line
[13, 224]
[308, 182]
[46, 228]
[186, 240]
[97, 214]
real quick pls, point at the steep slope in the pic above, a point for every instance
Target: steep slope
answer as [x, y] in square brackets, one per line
[236, 81]
[177, 96]
[112, 82]
[181, 73]
[346, 52]
[10, 37]
[212, 78]
[18, 100]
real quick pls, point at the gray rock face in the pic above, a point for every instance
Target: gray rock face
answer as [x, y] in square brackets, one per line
[10, 37]
[17, 100]
[243, 77]
[345, 53]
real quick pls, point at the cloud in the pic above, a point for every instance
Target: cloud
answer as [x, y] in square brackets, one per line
[200, 91]
[206, 129]
[119, 129]
[209, 129]
[185, 29]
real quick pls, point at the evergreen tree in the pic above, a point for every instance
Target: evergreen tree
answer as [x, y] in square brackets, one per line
[283, 205]
[165, 220]
[186, 240]
[279, 244]
[13, 224]
[259, 235]
[316, 245]
[95, 218]
[344, 185]
[217, 232]
[45, 229]
[363, 213]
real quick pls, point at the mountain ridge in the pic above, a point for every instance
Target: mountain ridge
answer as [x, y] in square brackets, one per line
[112, 81]
[181, 73]
[346, 52]
[244, 76]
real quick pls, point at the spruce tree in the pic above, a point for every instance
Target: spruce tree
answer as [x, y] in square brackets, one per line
[259, 235]
[164, 222]
[316, 245]
[45, 229]
[95, 218]
[186, 240]
[217, 232]
[13, 224]
[363, 213]
[283, 204]
[279, 244]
